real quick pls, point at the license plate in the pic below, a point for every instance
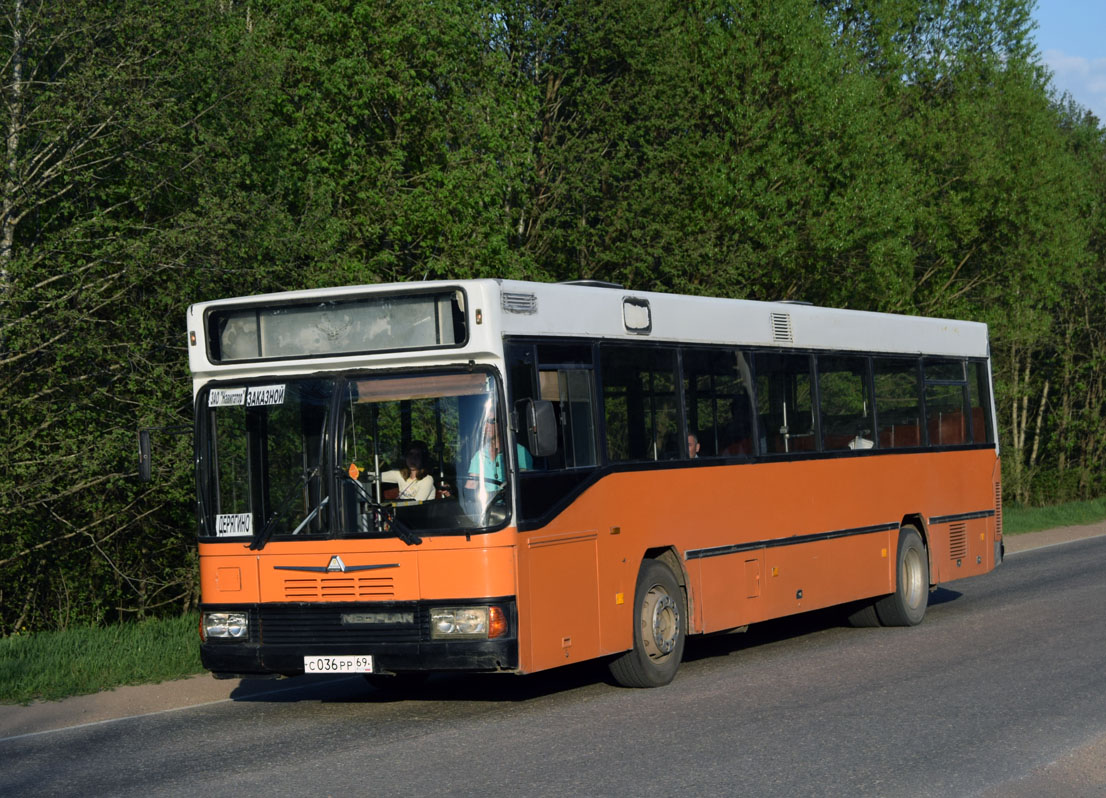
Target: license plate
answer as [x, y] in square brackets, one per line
[344, 664]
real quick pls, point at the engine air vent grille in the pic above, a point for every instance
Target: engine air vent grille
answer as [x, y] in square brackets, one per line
[781, 327]
[514, 302]
[340, 587]
[958, 541]
[998, 509]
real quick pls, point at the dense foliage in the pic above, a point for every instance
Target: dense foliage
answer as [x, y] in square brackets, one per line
[898, 155]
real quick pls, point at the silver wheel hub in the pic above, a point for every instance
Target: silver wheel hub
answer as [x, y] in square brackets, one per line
[912, 578]
[660, 622]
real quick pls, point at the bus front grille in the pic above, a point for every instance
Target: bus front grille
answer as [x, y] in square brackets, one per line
[323, 625]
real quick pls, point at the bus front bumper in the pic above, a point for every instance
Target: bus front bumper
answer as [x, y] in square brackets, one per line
[397, 637]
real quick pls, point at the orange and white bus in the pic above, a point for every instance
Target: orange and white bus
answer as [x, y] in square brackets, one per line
[490, 475]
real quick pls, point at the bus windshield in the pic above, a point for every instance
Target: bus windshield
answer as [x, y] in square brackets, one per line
[365, 455]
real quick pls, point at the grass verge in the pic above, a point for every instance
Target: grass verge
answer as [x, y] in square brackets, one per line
[1016, 520]
[51, 665]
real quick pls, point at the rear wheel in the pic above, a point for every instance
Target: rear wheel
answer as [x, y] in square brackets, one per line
[907, 605]
[659, 628]
[864, 616]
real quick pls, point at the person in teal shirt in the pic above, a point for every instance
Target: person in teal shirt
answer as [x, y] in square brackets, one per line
[488, 467]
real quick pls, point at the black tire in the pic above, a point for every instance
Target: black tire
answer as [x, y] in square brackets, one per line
[907, 605]
[863, 616]
[660, 625]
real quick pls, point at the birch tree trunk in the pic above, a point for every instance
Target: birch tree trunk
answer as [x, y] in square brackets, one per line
[14, 95]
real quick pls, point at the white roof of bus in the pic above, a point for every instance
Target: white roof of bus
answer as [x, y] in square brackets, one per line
[513, 307]
[589, 311]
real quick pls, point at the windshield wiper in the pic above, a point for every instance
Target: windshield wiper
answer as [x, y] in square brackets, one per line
[270, 525]
[389, 522]
[314, 512]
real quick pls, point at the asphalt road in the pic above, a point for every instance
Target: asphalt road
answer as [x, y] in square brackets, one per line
[1000, 692]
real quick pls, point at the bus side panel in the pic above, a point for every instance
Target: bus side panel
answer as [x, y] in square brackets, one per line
[580, 594]
[558, 597]
[960, 549]
[812, 576]
[730, 590]
[843, 512]
[747, 587]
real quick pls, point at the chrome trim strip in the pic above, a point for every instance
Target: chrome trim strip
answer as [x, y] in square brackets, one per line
[948, 519]
[735, 548]
[326, 569]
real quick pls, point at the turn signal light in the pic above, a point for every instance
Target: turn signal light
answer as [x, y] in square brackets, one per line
[497, 622]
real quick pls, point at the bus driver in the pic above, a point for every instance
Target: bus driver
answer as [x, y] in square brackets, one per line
[487, 468]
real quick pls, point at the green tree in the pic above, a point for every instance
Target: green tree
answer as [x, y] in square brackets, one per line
[394, 137]
[105, 100]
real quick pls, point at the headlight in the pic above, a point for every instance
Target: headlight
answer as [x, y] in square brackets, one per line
[452, 623]
[228, 625]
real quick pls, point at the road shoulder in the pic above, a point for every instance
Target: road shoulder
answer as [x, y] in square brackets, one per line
[1052, 537]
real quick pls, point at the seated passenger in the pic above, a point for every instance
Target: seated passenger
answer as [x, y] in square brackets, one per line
[414, 480]
[692, 445]
[487, 467]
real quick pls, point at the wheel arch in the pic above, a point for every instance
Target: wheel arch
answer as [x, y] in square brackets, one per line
[671, 558]
[918, 521]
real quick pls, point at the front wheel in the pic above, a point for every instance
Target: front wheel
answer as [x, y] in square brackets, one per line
[907, 605]
[659, 630]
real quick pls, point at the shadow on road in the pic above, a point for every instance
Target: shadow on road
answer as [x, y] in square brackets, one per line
[781, 629]
[436, 687]
[511, 688]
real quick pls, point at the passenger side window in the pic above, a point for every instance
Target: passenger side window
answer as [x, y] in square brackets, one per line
[897, 402]
[946, 396]
[563, 374]
[718, 401]
[785, 403]
[980, 401]
[639, 403]
[845, 404]
[570, 391]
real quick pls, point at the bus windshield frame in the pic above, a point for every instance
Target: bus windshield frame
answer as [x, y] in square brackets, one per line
[353, 455]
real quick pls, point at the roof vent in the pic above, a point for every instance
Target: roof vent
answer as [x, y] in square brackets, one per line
[519, 303]
[636, 315]
[781, 327]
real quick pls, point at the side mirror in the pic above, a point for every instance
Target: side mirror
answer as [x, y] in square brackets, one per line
[144, 455]
[541, 426]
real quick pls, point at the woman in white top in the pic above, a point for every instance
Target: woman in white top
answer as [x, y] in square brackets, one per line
[414, 480]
